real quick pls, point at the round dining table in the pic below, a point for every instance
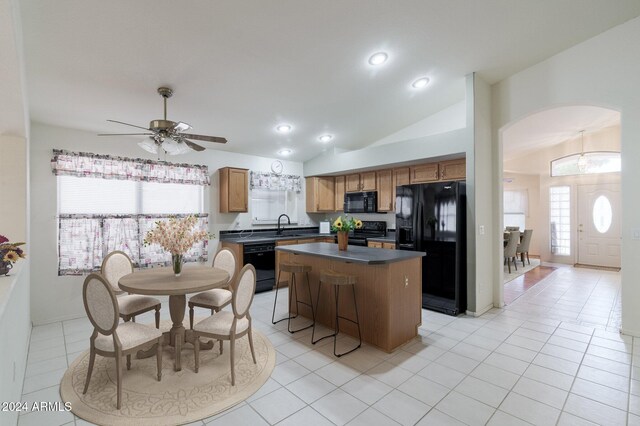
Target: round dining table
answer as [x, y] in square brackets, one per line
[163, 282]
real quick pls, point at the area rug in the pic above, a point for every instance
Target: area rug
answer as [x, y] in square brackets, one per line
[599, 268]
[181, 397]
[521, 270]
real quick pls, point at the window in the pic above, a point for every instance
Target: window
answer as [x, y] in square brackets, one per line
[602, 214]
[595, 162]
[267, 205]
[560, 220]
[516, 207]
[110, 203]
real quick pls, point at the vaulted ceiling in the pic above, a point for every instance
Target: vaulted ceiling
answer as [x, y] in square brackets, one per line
[239, 68]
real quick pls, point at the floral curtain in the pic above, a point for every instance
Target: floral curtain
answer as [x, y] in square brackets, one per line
[84, 240]
[83, 164]
[275, 182]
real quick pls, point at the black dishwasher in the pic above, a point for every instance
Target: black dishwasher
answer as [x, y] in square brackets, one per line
[263, 257]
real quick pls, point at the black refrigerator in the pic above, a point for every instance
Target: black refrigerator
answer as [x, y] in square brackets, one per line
[431, 218]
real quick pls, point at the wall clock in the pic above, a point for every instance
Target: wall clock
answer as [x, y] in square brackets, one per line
[277, 167]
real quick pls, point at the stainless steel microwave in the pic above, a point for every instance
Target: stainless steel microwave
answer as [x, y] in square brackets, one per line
[361, 202]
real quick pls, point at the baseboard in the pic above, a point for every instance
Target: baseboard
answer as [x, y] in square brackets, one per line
[481, 311]
[628, 332]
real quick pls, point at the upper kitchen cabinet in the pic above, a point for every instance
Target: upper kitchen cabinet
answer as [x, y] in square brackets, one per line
[361, 182]
[385, 190]
[339, 191]
[234, 190]
[453, 170]
[320, 194]
[424, 173]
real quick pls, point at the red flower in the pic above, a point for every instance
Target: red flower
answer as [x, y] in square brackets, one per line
[3, 239]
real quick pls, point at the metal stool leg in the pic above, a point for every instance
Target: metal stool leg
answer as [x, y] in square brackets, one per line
[357, 322]
[313, 333]
[275, 301]
[310, 304]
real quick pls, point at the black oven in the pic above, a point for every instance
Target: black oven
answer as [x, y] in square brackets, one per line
[361, 202]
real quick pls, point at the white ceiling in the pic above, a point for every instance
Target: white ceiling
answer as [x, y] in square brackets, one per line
[554, 126]
[238, 68]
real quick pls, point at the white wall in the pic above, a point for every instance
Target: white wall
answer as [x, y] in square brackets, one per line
[451, 118]
[13, 181]
[66, 291]
[602, 71]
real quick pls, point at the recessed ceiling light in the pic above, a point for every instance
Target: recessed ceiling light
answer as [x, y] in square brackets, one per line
[285, 151]
[283, 128]
[420, 83]
[378, 58]
[325, 138]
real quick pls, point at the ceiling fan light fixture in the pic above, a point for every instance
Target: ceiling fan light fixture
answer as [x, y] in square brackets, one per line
[583, 161]
[181, 127]
[149, 145]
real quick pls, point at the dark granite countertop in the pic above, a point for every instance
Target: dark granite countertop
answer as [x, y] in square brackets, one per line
[248, 238]
[355, 254]
[391, 238]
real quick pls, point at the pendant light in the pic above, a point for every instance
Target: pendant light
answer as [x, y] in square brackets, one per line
[582, 160]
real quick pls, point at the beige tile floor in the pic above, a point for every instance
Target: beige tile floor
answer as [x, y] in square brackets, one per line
[553, 357]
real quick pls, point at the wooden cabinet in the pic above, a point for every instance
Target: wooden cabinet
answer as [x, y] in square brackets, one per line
[385, 190]
[400, 177]
[424, 173]
[339, 193]
[320, 192]
[380, 244]
[390, 246]
[283, 257]
[453, 170]
[234, 190]
[360, 182]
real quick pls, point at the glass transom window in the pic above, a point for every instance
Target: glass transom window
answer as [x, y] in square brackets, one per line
[593, 163]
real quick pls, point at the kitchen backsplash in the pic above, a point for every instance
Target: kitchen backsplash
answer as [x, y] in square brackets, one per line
[390, 218]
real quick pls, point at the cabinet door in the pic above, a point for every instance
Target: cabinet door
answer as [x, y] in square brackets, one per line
[238, 190]
[424, 173]
[352, 183]
[339, 203]
[374, 244]
[283, 257]
[326, 194]
[453, 170]
[400, 177]
[368, 181]
[391, 246]
[385, 190]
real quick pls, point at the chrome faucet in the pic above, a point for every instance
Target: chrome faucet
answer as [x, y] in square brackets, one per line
[279, 231]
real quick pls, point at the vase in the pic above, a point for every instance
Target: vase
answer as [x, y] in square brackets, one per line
[5, 267]
[176, 263]
[343, 240]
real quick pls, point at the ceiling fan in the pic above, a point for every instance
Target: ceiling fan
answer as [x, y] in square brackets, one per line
[167, 135]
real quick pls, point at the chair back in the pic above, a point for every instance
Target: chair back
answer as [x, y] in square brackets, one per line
[525, 242]
[512, 244]
[512, 228]
[244, 291]
[226, 260]
[115, 266]
[100, 304]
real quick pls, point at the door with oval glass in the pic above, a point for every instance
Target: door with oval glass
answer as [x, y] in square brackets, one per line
[599, 227]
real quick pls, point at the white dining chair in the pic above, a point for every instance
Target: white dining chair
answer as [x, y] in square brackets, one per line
[523, 247]
[110, 338]
[115, 266]
[225, 325]
[217, 298]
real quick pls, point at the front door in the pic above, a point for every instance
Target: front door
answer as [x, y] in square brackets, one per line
[599, 227]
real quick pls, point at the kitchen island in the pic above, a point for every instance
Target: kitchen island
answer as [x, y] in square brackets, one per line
[388, 290]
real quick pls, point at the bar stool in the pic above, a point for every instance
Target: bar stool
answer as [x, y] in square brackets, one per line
[294, 268]
[338, 280]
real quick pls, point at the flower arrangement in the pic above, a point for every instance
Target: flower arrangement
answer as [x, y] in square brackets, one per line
[176, 236]
[10, 253]
[346, 225]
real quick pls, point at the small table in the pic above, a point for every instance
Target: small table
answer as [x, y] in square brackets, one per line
[163, 282]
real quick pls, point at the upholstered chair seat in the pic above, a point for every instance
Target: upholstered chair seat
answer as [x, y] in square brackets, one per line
[131, 304]
[220, 323]
[215, 297]
[131, 334]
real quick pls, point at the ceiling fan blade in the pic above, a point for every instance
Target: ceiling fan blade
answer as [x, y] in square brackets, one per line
[181, 126]
[215, 139]
[124, 134]
[193, 146]
[127, 124]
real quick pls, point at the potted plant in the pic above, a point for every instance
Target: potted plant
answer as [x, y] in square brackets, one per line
[10, 253]
[342, 228]
[176, 236]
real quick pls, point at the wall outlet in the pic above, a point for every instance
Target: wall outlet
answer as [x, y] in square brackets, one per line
[481, 229]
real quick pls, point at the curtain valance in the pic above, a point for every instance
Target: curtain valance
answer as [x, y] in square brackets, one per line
[275, 182]
[83, 164]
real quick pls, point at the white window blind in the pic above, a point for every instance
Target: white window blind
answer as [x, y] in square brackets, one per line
[267, 205]
[516, 201]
